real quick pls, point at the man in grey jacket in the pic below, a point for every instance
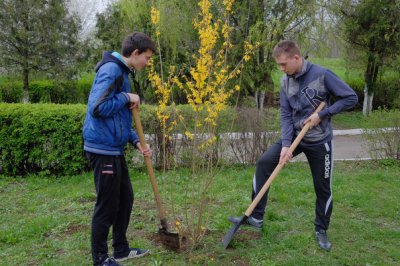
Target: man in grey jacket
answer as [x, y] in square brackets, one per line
[303, 87]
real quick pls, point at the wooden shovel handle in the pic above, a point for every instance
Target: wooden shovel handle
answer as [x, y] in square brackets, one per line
[279, 167]
[147, 159]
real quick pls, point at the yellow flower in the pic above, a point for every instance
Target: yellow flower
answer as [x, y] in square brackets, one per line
[189, 135]
[155, 16]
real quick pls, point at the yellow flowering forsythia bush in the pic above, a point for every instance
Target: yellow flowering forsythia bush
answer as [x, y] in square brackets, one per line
[207, 93]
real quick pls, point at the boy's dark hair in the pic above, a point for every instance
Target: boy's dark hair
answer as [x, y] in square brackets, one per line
[139, 41]
[286, 47]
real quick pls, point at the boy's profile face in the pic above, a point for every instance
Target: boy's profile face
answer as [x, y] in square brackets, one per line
[139, 61]
[289, 64]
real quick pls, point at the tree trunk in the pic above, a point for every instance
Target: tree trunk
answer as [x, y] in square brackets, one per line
[261, 101]
[371, 74]
[256, 98]
[368, 98]
[270, 99]
[259, 97]
[25, 77]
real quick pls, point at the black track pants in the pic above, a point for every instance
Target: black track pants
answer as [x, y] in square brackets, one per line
[113, 204]
[320, 159]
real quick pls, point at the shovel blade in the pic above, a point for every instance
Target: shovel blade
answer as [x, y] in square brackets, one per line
[232, 231]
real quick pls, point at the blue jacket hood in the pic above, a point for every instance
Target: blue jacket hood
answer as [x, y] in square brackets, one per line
[108, 57]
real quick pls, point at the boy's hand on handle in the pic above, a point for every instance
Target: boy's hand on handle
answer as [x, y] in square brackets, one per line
[145, 151]
[313, 119]
[286, 155]
[134, 100]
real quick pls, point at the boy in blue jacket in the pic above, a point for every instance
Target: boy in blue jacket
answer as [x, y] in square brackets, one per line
[106, 131]
[303, 87]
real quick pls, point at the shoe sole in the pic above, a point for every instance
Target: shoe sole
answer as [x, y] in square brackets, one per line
[248, 226]
[136, 256]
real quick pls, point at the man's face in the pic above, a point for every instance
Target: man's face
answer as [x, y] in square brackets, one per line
[140, 61]
[289, 65]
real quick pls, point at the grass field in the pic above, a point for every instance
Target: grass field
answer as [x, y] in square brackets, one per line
[46, 221]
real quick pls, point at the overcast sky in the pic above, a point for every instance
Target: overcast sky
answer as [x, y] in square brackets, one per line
[87, 11]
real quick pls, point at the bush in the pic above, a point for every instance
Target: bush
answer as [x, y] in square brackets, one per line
[84, 85]
[47, 138]
[44, 91]
[255, 133]
[176, 147]
[387, 91]
[41, 138]
[383, 142]
[11, 92]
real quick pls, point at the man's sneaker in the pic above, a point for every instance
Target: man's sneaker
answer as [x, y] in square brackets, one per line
[322, 239]
[110, 262]
[252, 222]
[133, 253]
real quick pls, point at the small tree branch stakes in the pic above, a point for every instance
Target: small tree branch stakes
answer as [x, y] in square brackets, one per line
[235, 227]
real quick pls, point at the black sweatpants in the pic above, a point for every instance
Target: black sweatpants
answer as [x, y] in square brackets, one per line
[113, 205]
[320, 159]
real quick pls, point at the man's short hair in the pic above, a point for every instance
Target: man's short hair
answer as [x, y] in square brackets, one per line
[289, 48]
[139, 41]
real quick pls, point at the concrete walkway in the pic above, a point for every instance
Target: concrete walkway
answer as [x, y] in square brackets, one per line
[347, 145]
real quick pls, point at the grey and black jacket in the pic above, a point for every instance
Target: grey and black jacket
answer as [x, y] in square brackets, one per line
[300, 96]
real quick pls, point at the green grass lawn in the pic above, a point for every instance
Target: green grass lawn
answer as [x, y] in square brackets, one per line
[46, 221]
[377, 119]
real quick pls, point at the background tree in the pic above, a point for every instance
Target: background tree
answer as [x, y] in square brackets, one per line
[268, 22]
[37, 35]
[373, 28]
[177, 35]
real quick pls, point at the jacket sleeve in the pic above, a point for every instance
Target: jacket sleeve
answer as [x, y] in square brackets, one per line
[134, 139]
[286, 118]
[346, 97]
[105, 99]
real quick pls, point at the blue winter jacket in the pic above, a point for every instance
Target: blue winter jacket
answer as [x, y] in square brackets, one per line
[300, 96]
[108, 123]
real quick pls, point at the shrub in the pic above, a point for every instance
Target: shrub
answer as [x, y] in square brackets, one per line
[47, 138]
[255, 133]
[387, 92]
[11, 92]
[43, 91]
[383, 142]
[42, 138]
[84, 85]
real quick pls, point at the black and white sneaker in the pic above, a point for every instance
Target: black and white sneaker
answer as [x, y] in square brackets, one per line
[251, 221]
[110, 262]
[133, 253]
[322, 240]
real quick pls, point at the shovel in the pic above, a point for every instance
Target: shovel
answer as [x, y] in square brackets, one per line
[170, 240]
[235, 227]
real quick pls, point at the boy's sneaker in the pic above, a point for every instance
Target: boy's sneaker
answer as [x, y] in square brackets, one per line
[251, 221]
[133, 253]
[322, 239]
[110, 262]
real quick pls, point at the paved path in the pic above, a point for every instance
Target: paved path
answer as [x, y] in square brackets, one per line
[347, 145]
